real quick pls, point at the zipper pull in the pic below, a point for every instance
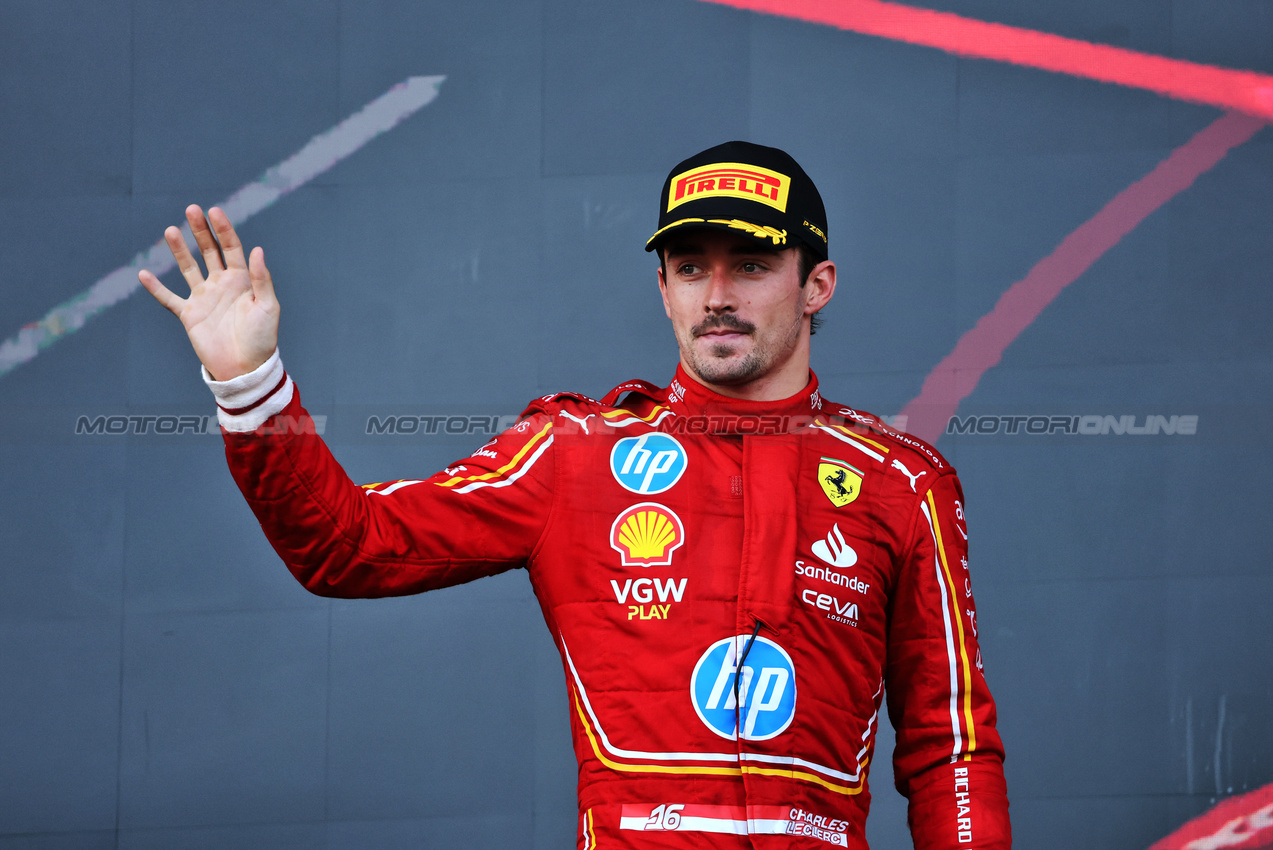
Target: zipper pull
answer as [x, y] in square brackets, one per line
[738, 669]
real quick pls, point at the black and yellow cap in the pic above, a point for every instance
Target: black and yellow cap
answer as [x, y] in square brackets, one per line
[744, 188]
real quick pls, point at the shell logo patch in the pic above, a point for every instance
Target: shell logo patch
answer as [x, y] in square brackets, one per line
[841, 482]
[646, 535]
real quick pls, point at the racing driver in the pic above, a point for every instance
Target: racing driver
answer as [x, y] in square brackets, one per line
[732, 554]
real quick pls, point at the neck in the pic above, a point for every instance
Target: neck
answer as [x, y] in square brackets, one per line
[775, 385]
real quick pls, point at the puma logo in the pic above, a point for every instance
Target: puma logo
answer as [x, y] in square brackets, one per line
[897, 464]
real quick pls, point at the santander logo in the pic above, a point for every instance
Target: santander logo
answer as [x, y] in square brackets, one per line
[834, 550]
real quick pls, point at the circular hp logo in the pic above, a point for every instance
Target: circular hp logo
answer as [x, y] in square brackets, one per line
[762, 694]
[650, 463]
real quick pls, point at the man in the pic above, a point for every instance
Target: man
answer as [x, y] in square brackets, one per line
[733, 569]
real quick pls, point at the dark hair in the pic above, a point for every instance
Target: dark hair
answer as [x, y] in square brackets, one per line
[806, 260]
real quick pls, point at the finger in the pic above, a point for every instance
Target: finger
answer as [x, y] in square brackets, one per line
[208, 246]
[231, 247]
[162, 294]
[185, 260]
[262, 283]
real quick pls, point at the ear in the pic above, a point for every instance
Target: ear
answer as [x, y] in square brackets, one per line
[663, 292]
[820, 287]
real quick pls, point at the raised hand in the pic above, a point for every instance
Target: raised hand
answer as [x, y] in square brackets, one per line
[231, 316]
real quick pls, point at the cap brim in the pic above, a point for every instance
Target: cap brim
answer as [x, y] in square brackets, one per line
[770, 238]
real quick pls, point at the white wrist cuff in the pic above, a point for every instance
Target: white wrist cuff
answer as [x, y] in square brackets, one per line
[246, 402]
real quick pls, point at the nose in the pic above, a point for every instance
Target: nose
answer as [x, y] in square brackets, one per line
[720, 296]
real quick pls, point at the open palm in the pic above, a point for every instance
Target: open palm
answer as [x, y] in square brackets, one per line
[231, 315]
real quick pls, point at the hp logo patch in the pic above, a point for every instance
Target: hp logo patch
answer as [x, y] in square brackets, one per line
[766, 688]
[650, 463]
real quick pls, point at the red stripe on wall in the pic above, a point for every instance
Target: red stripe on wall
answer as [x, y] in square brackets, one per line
[981, 348]
[1242, 91]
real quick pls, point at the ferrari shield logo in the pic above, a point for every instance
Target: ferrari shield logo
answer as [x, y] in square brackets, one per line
[840, 481]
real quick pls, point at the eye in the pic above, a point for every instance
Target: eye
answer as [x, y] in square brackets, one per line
[686, 269]
[751, 268]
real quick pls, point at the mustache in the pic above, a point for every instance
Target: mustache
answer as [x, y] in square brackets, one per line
[724, 320]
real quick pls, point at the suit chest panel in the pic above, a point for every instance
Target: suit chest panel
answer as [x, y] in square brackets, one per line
[782, 522]
[834, 544]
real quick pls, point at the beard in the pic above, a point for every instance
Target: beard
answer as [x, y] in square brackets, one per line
[721, 363]
[719, 368]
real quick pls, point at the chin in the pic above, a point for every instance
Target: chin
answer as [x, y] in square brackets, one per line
[735, 370]
[713, 350]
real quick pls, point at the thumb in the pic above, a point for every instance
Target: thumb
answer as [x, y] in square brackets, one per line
[262, 283]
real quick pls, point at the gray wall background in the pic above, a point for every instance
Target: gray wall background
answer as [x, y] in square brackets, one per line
[165, 683]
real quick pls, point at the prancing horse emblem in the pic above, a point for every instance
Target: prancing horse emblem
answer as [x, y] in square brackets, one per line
[837, 481]
[840, 481]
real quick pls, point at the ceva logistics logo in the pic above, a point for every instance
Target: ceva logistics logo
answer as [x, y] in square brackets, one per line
[766, 688]
[648, 464]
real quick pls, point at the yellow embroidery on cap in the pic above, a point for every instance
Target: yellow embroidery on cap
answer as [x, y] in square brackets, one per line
[759, 230]
[670, 226]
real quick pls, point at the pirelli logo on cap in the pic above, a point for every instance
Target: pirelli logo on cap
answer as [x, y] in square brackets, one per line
[732, 180]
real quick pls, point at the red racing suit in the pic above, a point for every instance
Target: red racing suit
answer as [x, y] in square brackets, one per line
[732, 586]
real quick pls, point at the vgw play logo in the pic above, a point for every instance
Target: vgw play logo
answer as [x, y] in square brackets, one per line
[650, 463]
[765, 688]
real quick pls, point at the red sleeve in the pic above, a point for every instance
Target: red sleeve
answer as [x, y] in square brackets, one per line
[479, 517]
[949, 759]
